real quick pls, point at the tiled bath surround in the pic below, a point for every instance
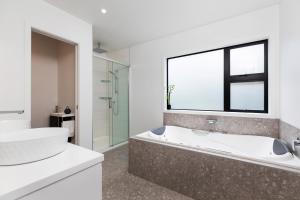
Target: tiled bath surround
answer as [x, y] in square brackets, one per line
[203, 176]
[210, 177]
[236, 125]
[225, 124]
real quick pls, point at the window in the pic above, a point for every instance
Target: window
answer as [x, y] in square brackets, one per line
[231, 79]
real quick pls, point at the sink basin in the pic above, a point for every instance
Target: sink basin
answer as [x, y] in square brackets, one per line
[29, 145]
[13, 125]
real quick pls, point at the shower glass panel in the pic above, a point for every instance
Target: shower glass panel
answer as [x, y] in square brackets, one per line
[120, 104]
[110, 104]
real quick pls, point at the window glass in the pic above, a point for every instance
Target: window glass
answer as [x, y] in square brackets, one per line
[247, 96]
[213, 80]
[247, 60]
[198, 81]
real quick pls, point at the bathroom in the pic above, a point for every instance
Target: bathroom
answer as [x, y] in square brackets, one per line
[169, 100]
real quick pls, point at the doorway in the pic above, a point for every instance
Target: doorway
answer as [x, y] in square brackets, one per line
[53, 83]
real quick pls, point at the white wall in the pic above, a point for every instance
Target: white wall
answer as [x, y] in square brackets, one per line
[290, 62]
[16, 20]
[121, 56]
[147, 62]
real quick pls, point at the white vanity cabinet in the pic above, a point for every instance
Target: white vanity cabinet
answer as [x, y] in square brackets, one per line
[83, 185]
[75, 174]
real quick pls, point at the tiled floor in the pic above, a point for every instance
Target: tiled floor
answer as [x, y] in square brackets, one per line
[118, 184]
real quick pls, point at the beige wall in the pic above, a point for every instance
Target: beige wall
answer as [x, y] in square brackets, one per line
[66, 75]
[53, 78]
[44, 79]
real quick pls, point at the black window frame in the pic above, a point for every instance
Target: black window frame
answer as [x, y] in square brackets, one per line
[228, 79]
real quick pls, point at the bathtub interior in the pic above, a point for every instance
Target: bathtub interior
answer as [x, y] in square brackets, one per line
[245, 146]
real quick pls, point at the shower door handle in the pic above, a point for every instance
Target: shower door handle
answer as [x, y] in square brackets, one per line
[109, 99]
[110, 103]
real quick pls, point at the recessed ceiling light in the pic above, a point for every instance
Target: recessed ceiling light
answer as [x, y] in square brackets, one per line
[104, 11]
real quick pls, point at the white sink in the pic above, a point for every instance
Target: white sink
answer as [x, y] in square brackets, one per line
[13, 125]
[29, 145]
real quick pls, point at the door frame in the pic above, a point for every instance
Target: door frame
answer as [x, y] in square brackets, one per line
[28, 69]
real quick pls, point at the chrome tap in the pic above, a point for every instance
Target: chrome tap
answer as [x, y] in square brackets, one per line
[296, 143]
[211, 121]
[211, 124]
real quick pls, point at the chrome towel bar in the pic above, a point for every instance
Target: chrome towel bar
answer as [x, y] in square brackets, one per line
[14, 111]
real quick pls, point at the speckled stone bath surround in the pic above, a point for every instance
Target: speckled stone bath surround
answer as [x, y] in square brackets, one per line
[225, 124]
[209, 177]
[118, 184]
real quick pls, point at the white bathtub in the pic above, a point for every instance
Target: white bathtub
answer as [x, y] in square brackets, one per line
[243, 147]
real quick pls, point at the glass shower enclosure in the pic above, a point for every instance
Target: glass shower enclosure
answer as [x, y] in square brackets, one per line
[110, 103]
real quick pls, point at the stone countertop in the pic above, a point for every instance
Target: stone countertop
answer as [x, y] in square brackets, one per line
[19, 180]
[62, 115]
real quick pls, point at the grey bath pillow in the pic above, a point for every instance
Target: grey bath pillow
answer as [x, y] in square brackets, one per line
[159, 131]
[280, 148]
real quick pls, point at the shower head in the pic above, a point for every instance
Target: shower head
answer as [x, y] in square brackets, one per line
[98, 49]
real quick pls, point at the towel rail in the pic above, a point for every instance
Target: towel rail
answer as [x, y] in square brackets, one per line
[12, 111]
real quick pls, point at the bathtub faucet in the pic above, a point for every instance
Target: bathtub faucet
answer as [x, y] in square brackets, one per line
[211, 121]
[211, 124]
[296, 145]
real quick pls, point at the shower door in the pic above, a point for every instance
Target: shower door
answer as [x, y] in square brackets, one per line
[110, 104]
[120, 97]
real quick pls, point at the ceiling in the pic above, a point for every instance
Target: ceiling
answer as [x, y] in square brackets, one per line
[129, 22]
